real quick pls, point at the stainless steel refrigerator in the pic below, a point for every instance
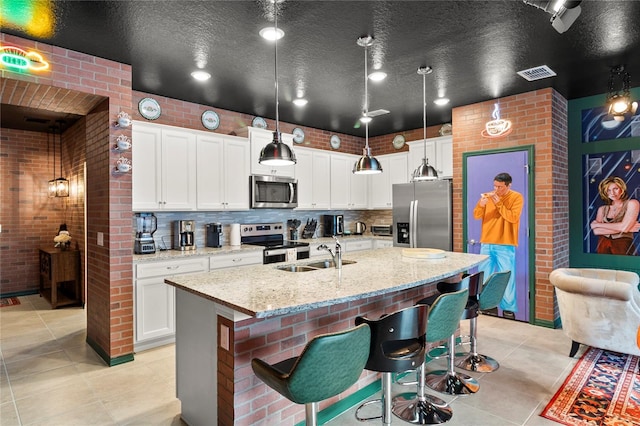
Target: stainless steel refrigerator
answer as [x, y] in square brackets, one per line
[422, 214]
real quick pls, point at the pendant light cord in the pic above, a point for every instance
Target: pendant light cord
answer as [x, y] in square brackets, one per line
[424, 114]
[366, 101]
[275, 12]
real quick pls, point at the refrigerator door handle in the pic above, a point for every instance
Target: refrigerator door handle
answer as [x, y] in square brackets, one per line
[415, 224]
[411, 225]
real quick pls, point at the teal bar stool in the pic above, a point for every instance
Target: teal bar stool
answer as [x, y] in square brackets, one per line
[328, 365]
[489, 297]
[417, 407]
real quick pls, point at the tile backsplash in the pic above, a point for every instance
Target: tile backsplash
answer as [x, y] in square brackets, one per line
[165, 219]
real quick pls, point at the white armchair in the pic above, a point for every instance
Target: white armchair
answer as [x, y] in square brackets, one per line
[599, 307]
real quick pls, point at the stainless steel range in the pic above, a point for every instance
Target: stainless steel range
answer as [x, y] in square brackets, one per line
[271, 237]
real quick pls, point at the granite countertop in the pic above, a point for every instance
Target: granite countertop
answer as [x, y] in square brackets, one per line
[161, 255]
[263, 290]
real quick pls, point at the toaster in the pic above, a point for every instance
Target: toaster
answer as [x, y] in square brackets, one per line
[382, 230]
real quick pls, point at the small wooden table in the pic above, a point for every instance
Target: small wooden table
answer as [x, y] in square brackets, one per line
[60, 277]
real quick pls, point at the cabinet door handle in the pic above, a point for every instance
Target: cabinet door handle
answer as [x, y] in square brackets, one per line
[173, 267]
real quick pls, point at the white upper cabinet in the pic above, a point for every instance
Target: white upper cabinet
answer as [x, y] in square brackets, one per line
[439, 154]
[164, 176]
[348, 191]
[394, 170]
[313, 172]
[222, 172]
[259, 138]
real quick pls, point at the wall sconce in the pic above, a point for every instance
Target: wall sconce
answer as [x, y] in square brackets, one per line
[619, 101]
[123, 120]
[123, 143]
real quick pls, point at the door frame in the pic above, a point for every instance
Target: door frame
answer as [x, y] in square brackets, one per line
[531, 232]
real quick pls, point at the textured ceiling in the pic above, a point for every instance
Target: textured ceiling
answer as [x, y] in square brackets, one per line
[474, 47]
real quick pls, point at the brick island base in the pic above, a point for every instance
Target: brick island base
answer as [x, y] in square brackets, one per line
[215, 345]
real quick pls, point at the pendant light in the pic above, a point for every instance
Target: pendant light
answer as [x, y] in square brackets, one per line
[52, 182]
[424, 170]
[62, 185]
[276, 153]
[367, 164]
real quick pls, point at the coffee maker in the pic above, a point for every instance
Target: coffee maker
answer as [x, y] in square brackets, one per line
[183, 235]
[332, 224]
[146, 225]
[214, 234]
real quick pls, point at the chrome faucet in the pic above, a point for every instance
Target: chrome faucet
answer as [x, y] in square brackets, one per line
[336, 255]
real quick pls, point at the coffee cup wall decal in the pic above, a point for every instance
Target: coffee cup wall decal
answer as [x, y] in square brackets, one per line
[123, 120]
[497, 127]
[123, 143]
[123, 165]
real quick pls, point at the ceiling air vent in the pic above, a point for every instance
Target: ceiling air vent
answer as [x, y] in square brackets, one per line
[537, 73]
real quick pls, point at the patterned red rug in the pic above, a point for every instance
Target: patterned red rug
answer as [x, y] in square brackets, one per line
[9, 301]
[602, 389]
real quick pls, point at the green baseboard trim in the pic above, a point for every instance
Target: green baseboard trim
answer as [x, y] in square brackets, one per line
[547, 323]
[344, 405]
[106, 358]
[18, 293]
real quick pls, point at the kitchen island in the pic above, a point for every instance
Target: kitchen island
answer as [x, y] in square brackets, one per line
[227, 317]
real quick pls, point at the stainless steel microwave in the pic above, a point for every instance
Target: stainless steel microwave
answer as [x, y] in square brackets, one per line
[273, 192]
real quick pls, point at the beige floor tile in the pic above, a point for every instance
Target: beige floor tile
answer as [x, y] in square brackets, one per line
[126, 378]
[127, 405]
[25, 386]
[53, 402]
[37, 364]
[8, 414]
[93, 414]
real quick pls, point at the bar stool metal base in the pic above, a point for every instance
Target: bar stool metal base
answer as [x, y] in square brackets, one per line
[476, 362]
[452, 384]
[428, 410]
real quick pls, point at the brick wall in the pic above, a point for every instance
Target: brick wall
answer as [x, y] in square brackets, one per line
[108, 195]
[539, 118]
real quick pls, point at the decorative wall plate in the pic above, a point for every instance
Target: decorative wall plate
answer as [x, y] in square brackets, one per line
[398, 141]
[210, 120]
[335, 141]
[259, 122]
[445, 130]
[298, 135]
[149, 108]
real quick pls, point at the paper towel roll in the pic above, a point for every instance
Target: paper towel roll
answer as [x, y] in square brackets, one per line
[234, 235]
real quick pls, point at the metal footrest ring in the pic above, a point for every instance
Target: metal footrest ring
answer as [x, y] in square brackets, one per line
[428, 410]
[452, 384]
[476, 362]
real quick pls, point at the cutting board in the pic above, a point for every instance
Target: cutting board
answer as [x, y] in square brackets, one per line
[423, 253]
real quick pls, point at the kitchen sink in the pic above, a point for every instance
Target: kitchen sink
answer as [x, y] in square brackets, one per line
[328, 264]
[323, 264]
[296, 268]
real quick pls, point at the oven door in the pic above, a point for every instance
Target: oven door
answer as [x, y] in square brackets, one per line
[273, 192]
[281, 254]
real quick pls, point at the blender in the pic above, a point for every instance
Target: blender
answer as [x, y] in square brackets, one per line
[146, 225]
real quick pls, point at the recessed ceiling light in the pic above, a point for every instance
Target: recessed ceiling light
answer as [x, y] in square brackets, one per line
[441, 101]
[201, 75]
[271, 33]
[300, 102]
[377, 76]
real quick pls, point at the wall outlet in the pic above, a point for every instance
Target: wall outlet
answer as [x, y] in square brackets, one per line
[100, 239]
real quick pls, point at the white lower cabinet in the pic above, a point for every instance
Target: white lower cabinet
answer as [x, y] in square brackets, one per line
[379, 244]
[351, 246]
[235, 259]
[154, 301]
